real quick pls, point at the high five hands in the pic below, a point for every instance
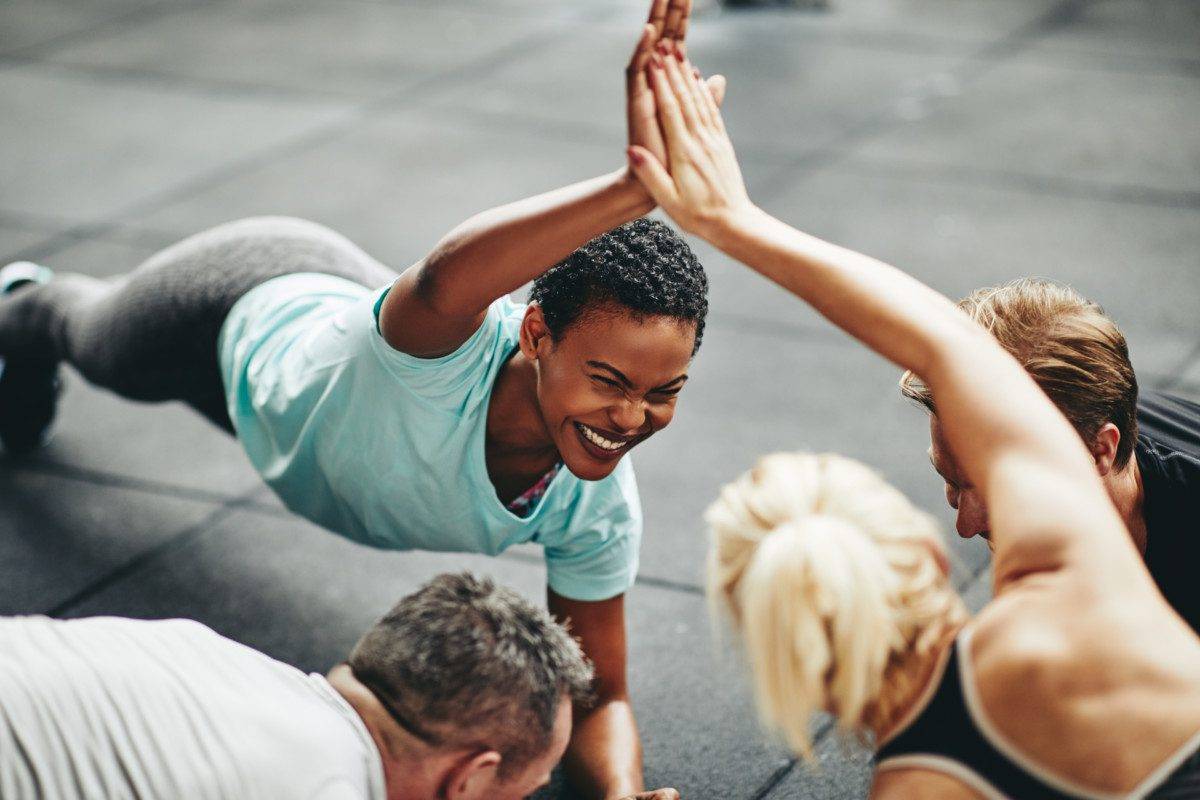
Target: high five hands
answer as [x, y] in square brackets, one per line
[678, 147]
[666, 29]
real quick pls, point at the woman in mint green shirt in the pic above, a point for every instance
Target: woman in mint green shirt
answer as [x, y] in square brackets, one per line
[425, 410]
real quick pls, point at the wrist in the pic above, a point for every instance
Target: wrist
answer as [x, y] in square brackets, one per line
[640, 200]
[725, 230]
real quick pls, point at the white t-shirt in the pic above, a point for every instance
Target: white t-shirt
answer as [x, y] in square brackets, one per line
[116, 708]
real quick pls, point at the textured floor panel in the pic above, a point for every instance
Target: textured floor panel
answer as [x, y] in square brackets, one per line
[397, 185]
[818, 90]
[1065, 129]
[1152, 29]
[59, 536]
[301, 47]
[83, 150]
[30, 23]
[960, 234]
[164, 445]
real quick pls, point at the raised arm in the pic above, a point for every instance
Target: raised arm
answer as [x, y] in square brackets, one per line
[1039, 482]
[441, 300]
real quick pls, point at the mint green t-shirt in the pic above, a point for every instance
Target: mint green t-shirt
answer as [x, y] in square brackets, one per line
[387, 449]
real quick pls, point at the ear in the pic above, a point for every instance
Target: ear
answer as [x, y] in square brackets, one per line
[474, 778]
[1104, 447]
[535, 334]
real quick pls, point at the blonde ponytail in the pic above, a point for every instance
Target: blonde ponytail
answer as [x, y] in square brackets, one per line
[833, 578]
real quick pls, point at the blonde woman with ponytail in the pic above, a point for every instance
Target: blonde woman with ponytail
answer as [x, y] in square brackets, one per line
[1076, 681]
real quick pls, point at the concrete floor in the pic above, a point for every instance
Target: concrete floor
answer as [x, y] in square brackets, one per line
[969, 141]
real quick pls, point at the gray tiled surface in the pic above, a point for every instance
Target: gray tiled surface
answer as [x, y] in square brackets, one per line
[62, 536]
[1070, 128]
[969, 141]
[1144, 29]
[302, 47]
[85, 149]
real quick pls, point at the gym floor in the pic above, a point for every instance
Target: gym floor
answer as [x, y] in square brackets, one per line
[967, 141]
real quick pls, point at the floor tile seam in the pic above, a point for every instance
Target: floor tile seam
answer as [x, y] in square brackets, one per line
[114, 480]
[343, 124]
[651, 581]
[268, 154]
[560, 130]
[42, 223]
[50, 225]
[148, 557]
[883, 121]
[196, 86]
[972, 67]
[774, 779]
[495, 59]
[1128, 194]
[1108, 63]
[77, 233]
[140, 15]
[1018, 40]
[56, 243]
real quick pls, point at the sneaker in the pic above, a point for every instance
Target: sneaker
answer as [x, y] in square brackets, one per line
[29, 388]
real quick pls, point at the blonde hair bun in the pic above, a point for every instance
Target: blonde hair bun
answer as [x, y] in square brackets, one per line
[830, 574]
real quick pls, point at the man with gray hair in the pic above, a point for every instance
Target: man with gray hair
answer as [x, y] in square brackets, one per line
[463, 690]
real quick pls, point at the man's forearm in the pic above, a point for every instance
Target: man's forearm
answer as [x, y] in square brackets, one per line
[499, 250]
[604, 760]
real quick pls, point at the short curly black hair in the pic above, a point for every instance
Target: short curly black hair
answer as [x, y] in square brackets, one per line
[643, 266]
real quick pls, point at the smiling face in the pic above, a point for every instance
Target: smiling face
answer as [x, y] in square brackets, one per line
[972, 517]
[609, 382]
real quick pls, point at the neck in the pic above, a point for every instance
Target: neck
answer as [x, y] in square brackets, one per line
[514, 423]
[407, 771]
[907, 682]
[1129, 496]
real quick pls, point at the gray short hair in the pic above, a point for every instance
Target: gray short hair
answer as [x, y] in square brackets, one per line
[463, 662]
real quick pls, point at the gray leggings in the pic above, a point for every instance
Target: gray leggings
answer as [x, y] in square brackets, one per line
[152, 334]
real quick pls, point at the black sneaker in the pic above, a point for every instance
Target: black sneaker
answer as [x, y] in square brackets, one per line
[29, 388]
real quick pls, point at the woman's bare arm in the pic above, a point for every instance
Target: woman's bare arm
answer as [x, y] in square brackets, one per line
[439, 302]
[1034, 472]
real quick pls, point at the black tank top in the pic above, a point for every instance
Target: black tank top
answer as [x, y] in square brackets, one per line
[945, 738]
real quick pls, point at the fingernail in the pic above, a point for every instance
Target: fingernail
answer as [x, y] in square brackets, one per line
[679, 54]
[634, 156]
[695, 73]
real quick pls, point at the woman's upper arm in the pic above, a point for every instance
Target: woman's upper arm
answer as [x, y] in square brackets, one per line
[600, 627]
[1044, 518]
[414, 322]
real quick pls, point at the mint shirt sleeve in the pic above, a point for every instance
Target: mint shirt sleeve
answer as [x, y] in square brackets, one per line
[458, 378]
[596, 557]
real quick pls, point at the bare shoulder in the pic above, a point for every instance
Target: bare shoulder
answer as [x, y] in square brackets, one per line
[1022, 642]
[926, 782]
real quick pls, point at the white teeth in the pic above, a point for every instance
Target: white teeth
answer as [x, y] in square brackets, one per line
[599, 440]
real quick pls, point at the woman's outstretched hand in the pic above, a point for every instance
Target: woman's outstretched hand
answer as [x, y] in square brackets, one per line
[699, 182]
[666, 26]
